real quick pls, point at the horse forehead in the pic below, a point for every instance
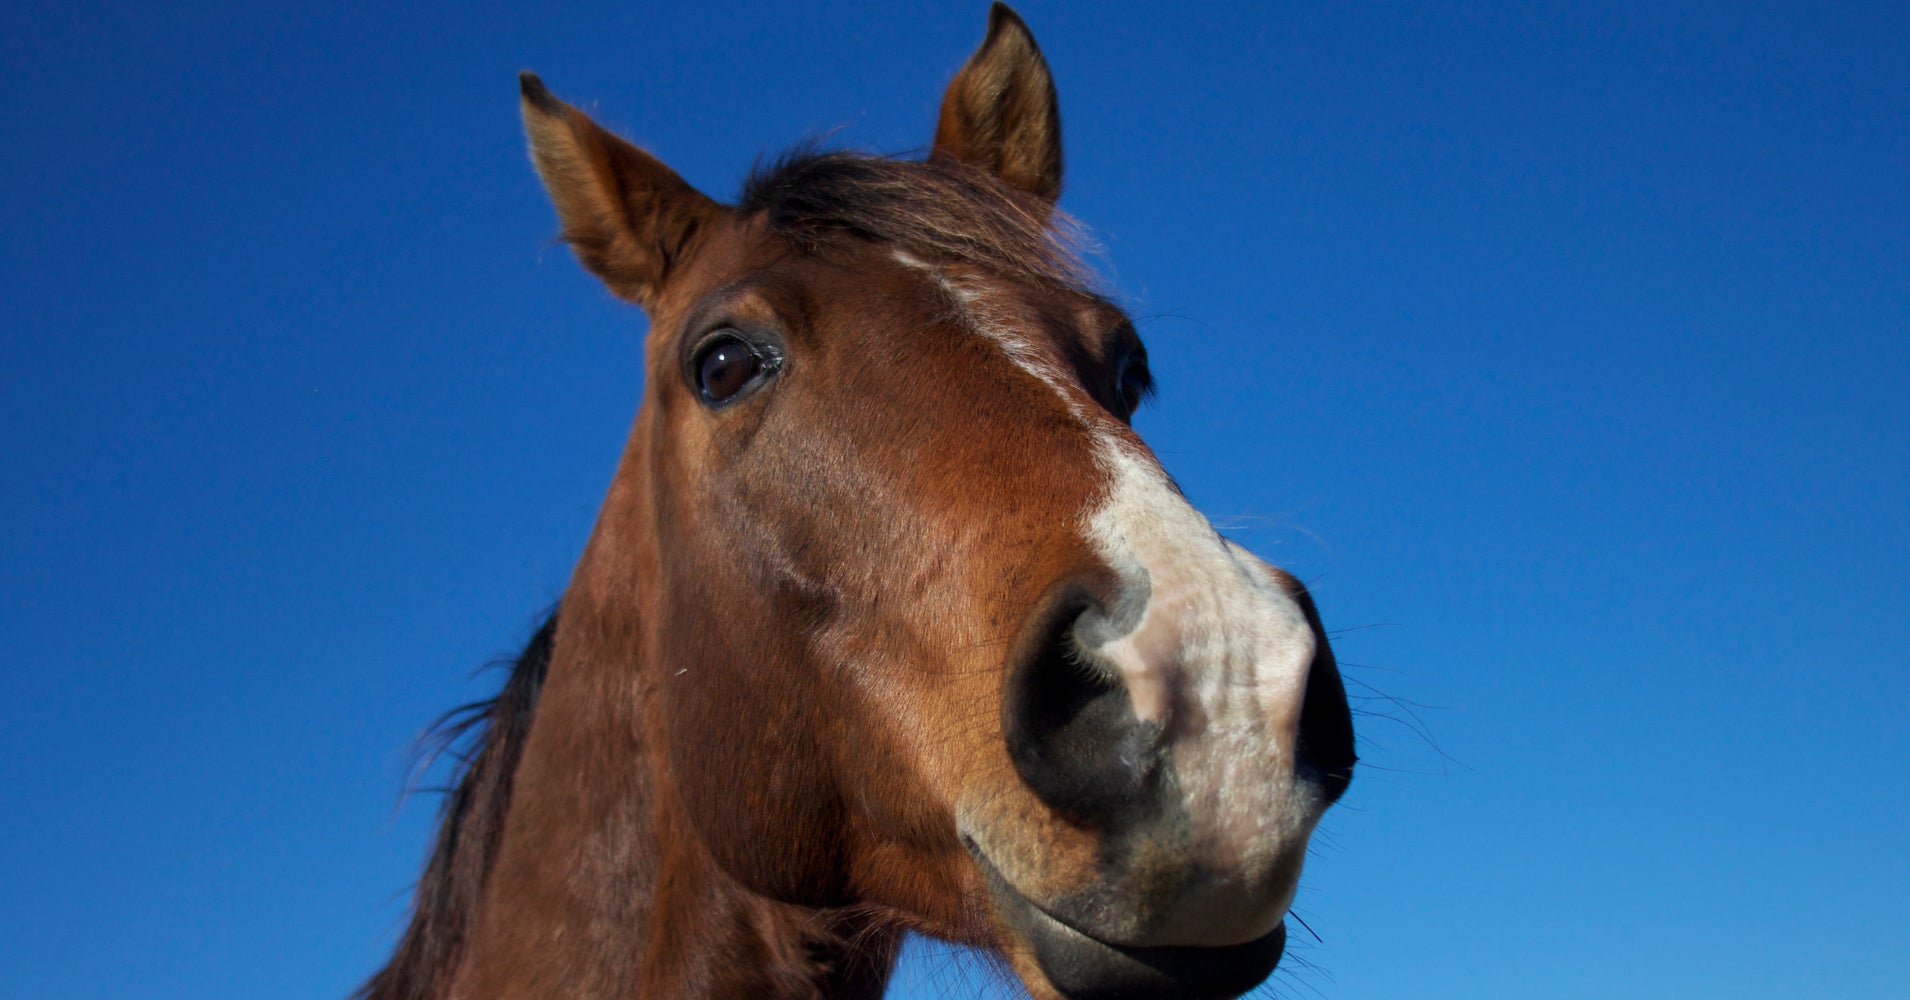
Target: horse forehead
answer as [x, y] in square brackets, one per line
[888, 290]
[1019, 315]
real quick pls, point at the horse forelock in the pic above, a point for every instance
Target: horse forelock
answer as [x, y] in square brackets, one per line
[939, 211]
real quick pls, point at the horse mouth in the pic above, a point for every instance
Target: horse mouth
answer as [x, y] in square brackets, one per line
[1083, 967]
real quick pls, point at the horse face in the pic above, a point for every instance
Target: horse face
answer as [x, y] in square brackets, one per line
[932, 630]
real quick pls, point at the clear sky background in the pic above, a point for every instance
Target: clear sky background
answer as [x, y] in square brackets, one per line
[1560, 347]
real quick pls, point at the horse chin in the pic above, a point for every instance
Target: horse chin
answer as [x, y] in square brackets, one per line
[1080, 966]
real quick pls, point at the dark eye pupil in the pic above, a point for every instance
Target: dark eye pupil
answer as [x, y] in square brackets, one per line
[726, 369]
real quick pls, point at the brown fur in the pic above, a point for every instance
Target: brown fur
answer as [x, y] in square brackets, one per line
[777, 677]
[1001, 113]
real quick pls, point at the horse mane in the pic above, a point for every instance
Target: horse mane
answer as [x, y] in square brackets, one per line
[486, 738]
[939, 211]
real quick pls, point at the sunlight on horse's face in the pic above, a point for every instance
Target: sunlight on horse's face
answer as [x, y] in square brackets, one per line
[932, 632]
[938, 603]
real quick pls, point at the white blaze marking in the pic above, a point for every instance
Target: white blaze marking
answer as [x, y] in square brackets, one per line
[1218, 655]
[1219, 659]
[979, 313]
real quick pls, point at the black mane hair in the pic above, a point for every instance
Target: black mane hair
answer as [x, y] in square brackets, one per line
[486, 739]
[939, 211]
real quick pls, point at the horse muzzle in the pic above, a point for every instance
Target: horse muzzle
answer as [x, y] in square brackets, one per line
[1181, 732]
[1083, 967]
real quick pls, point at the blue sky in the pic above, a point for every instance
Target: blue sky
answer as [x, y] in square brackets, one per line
[1560, 347]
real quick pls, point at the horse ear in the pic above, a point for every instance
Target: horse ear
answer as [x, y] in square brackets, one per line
[627, 216]
[1000, 112]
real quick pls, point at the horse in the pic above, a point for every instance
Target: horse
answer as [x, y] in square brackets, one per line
[889, 622]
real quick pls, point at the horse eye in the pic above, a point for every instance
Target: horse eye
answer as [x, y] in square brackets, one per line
[725, 367]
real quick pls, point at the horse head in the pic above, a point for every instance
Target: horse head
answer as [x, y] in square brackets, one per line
[890, 619]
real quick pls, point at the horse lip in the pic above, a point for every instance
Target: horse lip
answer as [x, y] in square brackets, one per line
[1082, 966]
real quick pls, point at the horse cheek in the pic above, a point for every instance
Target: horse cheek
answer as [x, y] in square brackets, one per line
[776, 825]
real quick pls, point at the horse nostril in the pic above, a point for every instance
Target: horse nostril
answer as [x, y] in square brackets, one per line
[1070, 729]
[1326, 729]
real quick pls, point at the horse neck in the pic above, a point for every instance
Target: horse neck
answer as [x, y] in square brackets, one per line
[600, 888]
